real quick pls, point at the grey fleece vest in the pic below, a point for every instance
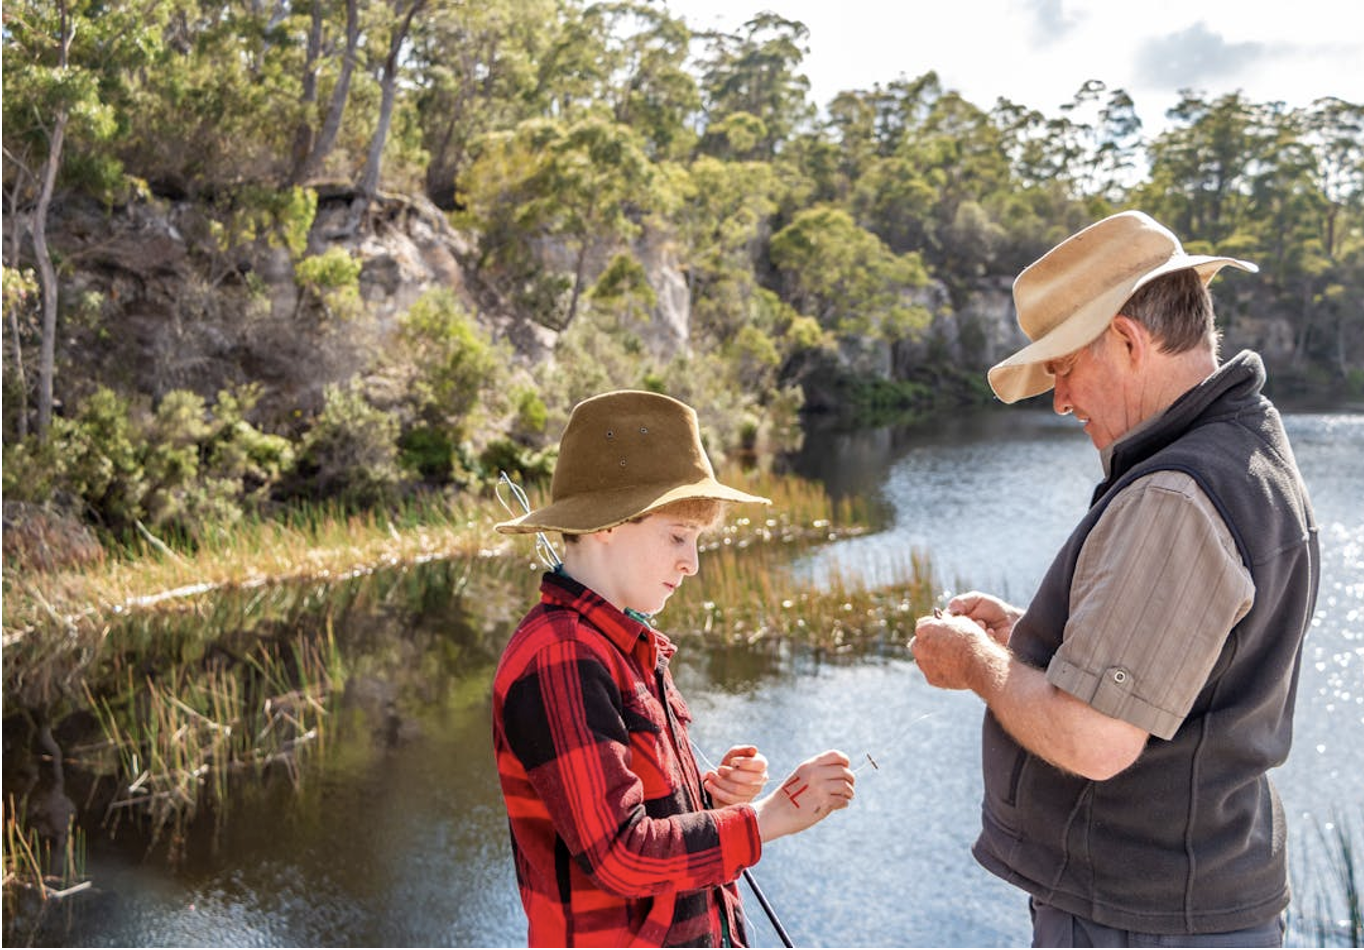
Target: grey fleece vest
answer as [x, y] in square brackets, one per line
[1190, 838]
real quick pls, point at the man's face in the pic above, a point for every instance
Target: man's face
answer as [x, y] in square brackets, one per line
[1092, 384]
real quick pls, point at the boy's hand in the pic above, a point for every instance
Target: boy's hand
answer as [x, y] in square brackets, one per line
[739, 778]
[817, 787]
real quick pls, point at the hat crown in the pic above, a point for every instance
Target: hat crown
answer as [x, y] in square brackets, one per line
[624, 454]
[1066, 298]
[625, 440]
[1115, 252]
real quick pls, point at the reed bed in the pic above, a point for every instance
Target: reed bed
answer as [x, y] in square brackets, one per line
[30, 864]
[178, 738]
[748, 595]
[1330, 897]
[322, 543]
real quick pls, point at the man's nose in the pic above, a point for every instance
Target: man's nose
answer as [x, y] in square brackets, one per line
[1060, 397]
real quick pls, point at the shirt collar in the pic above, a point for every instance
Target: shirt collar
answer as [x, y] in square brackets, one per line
[630, 636]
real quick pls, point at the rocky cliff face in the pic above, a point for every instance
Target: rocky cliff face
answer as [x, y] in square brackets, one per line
[151, 304]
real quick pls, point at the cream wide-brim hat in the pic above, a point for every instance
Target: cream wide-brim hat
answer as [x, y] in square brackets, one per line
[1067, 297]
[622, 455]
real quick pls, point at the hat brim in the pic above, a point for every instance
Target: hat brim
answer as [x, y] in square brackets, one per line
[598, 511]
[1023, 374]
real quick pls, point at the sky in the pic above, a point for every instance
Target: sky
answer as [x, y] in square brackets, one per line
[1038, 53]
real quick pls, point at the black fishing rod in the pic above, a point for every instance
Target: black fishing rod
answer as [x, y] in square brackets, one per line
[767, 908]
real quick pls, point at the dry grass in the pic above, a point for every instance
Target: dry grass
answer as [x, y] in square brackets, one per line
[319, 546]
[322, 545]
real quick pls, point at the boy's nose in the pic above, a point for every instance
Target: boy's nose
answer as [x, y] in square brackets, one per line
[690, 562]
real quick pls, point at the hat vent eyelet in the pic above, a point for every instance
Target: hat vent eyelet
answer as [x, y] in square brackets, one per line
[622, 463]
[610, 434]
[643, 430]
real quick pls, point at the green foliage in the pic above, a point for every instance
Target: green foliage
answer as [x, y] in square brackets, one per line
[455, 363]
[531, 413]
[845, 277]
[183, 468]
[332, 280]
[428, 452]
[349, 454]
[525, 466]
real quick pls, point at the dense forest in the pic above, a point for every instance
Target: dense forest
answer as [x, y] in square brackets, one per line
[195, 192]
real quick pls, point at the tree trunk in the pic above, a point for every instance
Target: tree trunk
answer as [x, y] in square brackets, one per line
[312, 163]
[369, 179]
[16, 243]
[47, 277]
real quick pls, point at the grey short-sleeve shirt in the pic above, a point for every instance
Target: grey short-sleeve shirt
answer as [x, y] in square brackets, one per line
[1158, 586]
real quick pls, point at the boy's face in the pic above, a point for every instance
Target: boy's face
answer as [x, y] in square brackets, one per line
[648, 560]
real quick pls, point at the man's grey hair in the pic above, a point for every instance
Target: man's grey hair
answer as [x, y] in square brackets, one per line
[1177, 309]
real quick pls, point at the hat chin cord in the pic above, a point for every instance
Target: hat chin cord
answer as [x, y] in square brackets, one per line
[544, 549]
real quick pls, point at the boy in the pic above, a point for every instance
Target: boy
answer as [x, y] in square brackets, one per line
[615, 836]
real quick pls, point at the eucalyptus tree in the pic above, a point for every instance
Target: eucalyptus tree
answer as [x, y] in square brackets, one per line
[846, 278]
[387, 38]
[1308, 211]
[1093, 148]
[648, 85]
[335, 46]
[757, 71]
[475, 68]
[68, 67]
[722, 223]
[1202, 168]
[957, 151]
[551, 191]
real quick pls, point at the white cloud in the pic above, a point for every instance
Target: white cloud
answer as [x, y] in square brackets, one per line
[1040, 52]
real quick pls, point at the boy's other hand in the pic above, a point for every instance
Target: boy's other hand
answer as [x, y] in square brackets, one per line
[741, 775]
[816, 788]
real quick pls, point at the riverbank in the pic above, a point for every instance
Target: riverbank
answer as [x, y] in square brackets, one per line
[327, 545]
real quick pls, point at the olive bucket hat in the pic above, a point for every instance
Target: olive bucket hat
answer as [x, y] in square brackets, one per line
[624, 454]
[1067, 297]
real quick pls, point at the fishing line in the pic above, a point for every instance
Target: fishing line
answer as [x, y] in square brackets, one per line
[747, 874]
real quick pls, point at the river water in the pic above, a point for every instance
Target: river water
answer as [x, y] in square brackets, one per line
[401, 839]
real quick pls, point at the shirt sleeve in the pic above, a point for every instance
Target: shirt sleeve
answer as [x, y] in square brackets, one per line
[566, 721]
[1158, 586]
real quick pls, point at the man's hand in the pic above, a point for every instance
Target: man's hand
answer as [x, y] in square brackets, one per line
[953, 651]
[993, 614]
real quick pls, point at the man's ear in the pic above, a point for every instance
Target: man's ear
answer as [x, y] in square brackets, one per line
[1135, 339]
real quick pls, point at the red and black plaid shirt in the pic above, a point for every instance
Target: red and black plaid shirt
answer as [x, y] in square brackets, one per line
[613, 845]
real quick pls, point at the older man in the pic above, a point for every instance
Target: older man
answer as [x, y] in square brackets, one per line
[1135, 707]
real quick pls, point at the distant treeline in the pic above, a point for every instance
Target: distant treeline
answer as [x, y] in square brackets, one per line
[574, 146]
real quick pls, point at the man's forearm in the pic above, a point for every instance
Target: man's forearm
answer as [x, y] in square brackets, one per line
[1049, 722]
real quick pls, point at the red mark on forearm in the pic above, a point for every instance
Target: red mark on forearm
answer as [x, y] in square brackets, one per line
[794, 793]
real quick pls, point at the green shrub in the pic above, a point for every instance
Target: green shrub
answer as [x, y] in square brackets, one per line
[98, 455]
[525, 466]
[531, 414]
[332, 280]
[350, 454]
[427, 452]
